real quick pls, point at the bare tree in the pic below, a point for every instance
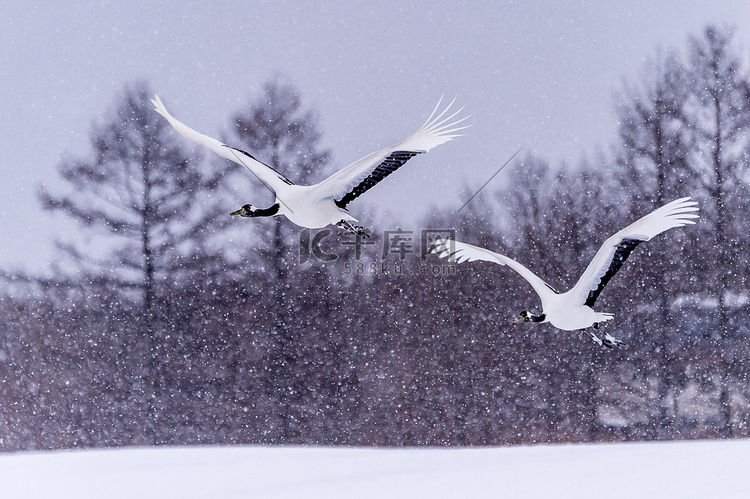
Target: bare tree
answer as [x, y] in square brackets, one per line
[718, 118]
[278, 131]
[654, 157]
[139, 197]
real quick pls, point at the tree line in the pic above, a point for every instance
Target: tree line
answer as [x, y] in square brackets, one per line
[164, 323]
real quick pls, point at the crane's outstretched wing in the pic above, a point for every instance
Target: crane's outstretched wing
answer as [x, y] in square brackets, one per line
[460, 252]
[350, 182]
[265, 173]
[617, 248]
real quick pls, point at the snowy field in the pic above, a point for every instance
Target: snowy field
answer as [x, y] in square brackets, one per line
[683, 469]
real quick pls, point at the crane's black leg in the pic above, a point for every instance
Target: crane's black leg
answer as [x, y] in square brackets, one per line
[611, 342]
[607, 340]
[354, 229]
[594, 337]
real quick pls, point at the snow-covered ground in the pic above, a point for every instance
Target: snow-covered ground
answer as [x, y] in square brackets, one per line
[682, 469]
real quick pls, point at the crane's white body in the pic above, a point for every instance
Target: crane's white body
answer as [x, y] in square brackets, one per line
[302, 207]
[568, 311]
[562, 315]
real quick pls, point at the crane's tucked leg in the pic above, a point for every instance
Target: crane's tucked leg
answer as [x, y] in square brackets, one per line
[354, 229]
[607, 340]
[611, 342]
[594, 337]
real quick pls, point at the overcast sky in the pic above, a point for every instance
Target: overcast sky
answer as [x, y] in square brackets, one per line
[535, 74]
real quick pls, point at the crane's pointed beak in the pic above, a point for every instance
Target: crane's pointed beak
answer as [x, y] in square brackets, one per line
[238, 212]
[518, 319]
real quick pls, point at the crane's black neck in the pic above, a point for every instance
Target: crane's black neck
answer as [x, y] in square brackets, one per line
[537, 318]
[267, 212]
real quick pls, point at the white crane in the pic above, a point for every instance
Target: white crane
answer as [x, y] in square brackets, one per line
[325, 203]
[573, 310]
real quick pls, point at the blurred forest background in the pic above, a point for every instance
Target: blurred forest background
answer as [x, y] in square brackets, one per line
[165, 321]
